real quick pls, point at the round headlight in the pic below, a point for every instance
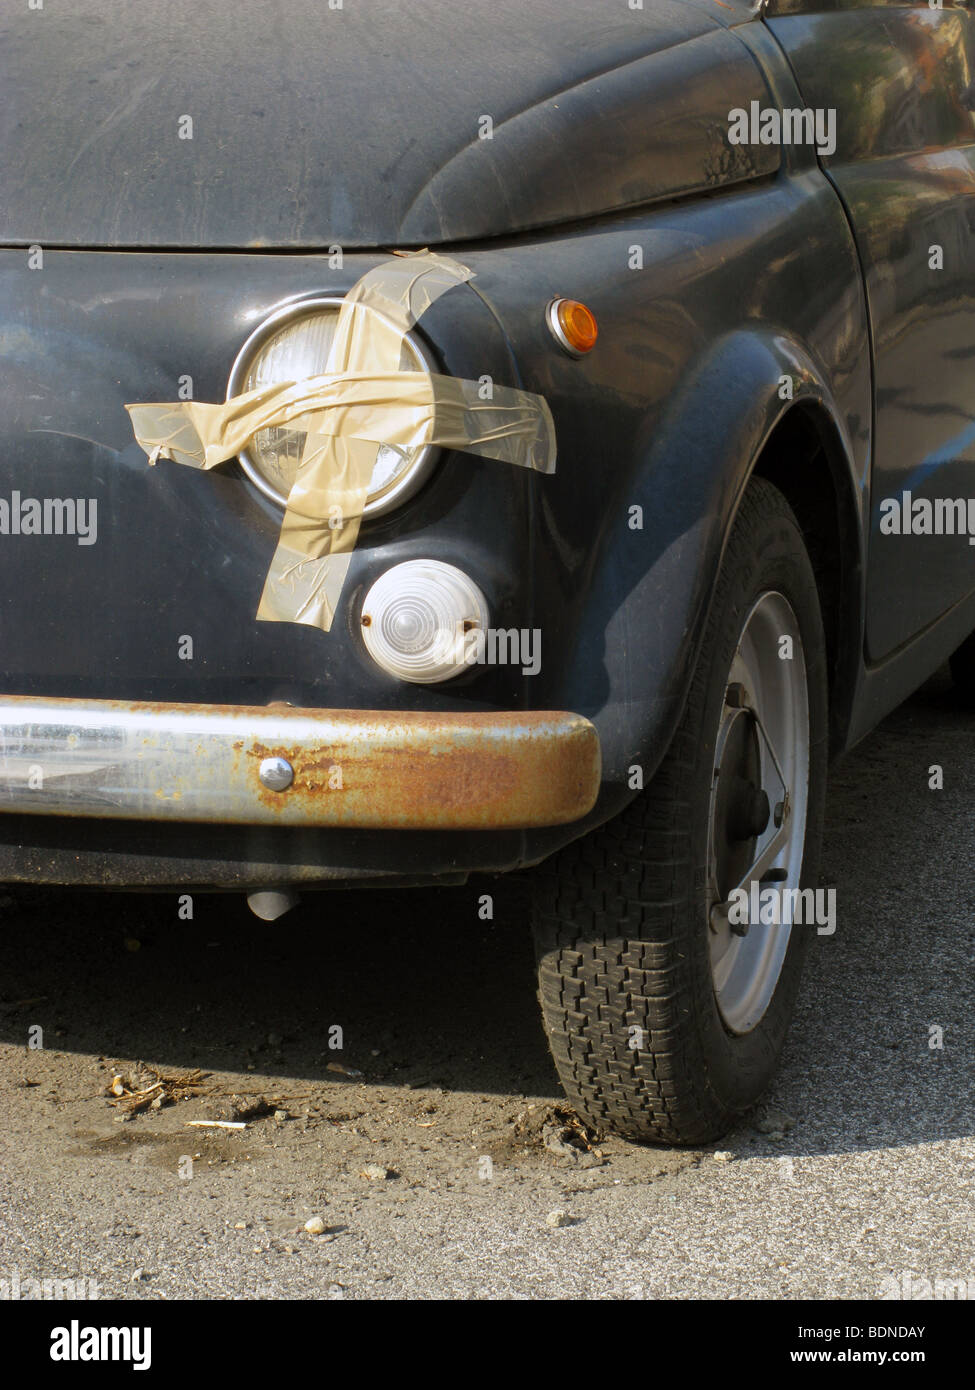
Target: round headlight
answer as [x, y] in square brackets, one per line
[293, 344]
[416, 618]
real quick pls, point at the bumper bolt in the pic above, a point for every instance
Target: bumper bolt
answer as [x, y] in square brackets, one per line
[276, 774]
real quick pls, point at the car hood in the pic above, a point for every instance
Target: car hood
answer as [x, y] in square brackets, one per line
[290, 124]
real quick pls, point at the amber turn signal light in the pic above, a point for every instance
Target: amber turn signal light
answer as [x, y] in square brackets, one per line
[573, 326]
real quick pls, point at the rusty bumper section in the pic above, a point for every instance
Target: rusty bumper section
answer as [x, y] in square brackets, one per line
[354, 768]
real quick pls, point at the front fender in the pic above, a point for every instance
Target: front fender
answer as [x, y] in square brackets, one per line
[670, 415]
[651, 588]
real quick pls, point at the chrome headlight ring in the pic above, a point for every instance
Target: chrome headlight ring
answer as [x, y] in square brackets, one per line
[407, 481]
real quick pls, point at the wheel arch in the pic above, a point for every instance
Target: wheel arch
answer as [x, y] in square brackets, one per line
[804, 458]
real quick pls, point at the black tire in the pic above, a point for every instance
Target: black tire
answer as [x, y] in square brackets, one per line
[621, 916]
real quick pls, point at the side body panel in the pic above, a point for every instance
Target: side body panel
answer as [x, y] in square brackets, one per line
[901, 79]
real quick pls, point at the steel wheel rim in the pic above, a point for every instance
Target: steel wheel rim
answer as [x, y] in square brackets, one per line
[764, 728]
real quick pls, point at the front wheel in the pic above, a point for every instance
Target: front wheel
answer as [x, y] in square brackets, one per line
[669, 943]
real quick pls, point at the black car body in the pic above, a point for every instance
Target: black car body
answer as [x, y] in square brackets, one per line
[765, 310]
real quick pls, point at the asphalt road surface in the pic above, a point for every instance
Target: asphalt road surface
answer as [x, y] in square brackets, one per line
[438, 1171]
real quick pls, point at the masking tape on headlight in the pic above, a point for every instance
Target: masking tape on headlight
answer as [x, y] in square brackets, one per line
[359, 403]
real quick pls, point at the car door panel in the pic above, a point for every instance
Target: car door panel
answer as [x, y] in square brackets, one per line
[901, 79]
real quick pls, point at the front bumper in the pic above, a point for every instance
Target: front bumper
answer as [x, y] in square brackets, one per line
[355, 769]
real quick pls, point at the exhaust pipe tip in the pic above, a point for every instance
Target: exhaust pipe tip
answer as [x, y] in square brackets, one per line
[273, 903]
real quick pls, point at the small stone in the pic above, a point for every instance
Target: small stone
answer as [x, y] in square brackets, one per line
[118, 1086]
[724, 1156]
[375, 1172]
[558, 1218]
[281, 1116]
[315, 1227]
[774, 1123]
[242, 1108]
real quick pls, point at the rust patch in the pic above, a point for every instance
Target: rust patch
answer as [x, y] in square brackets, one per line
[496, 781]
